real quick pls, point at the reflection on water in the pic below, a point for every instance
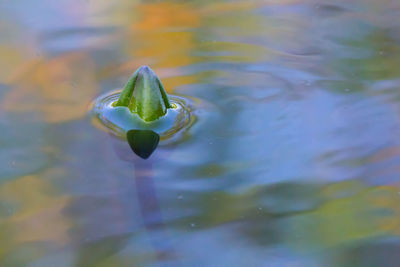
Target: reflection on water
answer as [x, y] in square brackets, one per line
[172, 127]
[143, 142]
[298, 167]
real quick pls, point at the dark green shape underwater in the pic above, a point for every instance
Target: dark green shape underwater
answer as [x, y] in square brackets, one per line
[143, 142]
[145, 95]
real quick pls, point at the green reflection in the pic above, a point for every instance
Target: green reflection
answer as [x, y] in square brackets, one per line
[143, 142]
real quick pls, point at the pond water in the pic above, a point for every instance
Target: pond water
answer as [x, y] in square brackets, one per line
[295, 162]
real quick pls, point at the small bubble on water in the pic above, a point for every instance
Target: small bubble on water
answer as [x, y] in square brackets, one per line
[260, 208]
[180, 197]
[192, 225]
[347, 89]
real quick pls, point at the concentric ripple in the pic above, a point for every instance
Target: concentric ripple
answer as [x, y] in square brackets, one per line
[119, 120]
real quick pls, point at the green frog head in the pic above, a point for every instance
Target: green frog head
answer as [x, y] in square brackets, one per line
[145, 95]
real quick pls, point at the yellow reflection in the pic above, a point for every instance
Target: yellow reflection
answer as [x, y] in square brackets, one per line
[38, 211]
[60, 88]
[365, 213]
[12, 58]
[165, 31]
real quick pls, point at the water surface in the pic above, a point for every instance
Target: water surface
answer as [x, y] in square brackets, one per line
[299, 168]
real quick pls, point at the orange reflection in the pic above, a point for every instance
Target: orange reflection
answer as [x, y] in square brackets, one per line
[164, 31]
[60, 88]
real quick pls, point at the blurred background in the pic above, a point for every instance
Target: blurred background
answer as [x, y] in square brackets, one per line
[297, 163]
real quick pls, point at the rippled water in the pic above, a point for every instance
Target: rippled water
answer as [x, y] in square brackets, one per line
[298, 166]
[171, 127]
